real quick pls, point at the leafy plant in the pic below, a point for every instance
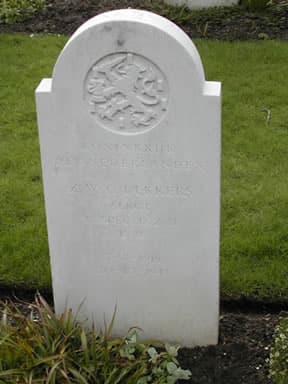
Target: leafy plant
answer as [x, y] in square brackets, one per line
[279, 354]
[256, 5]
[41, 347]
[12, 11]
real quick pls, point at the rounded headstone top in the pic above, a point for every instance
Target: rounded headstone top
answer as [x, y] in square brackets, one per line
[127, 19]
[126, 68]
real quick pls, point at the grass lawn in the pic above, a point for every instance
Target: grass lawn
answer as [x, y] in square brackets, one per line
[254, 231]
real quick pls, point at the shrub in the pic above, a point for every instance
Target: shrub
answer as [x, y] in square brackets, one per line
[12, 11]
[279, 354]
[44, 348]
[256, 5]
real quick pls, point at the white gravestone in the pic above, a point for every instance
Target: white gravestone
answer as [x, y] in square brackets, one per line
[130, 147]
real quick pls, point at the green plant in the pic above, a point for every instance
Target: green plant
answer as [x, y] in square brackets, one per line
[12, 11]
[255, 5]
[40, 347]
[279, 354]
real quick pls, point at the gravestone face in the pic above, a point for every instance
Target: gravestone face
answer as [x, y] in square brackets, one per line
[130, 147]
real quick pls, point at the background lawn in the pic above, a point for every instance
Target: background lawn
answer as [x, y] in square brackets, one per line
[254, 231]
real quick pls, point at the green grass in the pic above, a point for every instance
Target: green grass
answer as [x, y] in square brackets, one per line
[23, 237]
[254, 233]
[254, 245]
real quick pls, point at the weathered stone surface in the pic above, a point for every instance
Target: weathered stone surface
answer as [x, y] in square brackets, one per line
[130, 146]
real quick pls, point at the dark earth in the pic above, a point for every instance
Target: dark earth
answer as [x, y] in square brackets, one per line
[246, 324]
[246, 334]
[229, 23]
[240, 357]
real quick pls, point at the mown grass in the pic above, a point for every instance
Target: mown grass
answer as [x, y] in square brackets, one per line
[254, 231]
[23, 236]
[254, 245]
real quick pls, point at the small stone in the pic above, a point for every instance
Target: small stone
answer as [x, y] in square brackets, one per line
[263, 36]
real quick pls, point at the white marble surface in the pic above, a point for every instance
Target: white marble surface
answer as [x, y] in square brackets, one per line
[130, 147]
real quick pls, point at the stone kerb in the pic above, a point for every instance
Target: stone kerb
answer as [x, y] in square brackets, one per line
[130, 150]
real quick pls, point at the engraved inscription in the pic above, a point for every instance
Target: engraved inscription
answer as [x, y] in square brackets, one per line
[133, 220]
[140, 263]
[87, 160]
[125, 148]
[126, 156]
[149, 190]
[126, 93]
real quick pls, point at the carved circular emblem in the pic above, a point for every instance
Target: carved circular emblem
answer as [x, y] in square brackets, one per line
[126, 93]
